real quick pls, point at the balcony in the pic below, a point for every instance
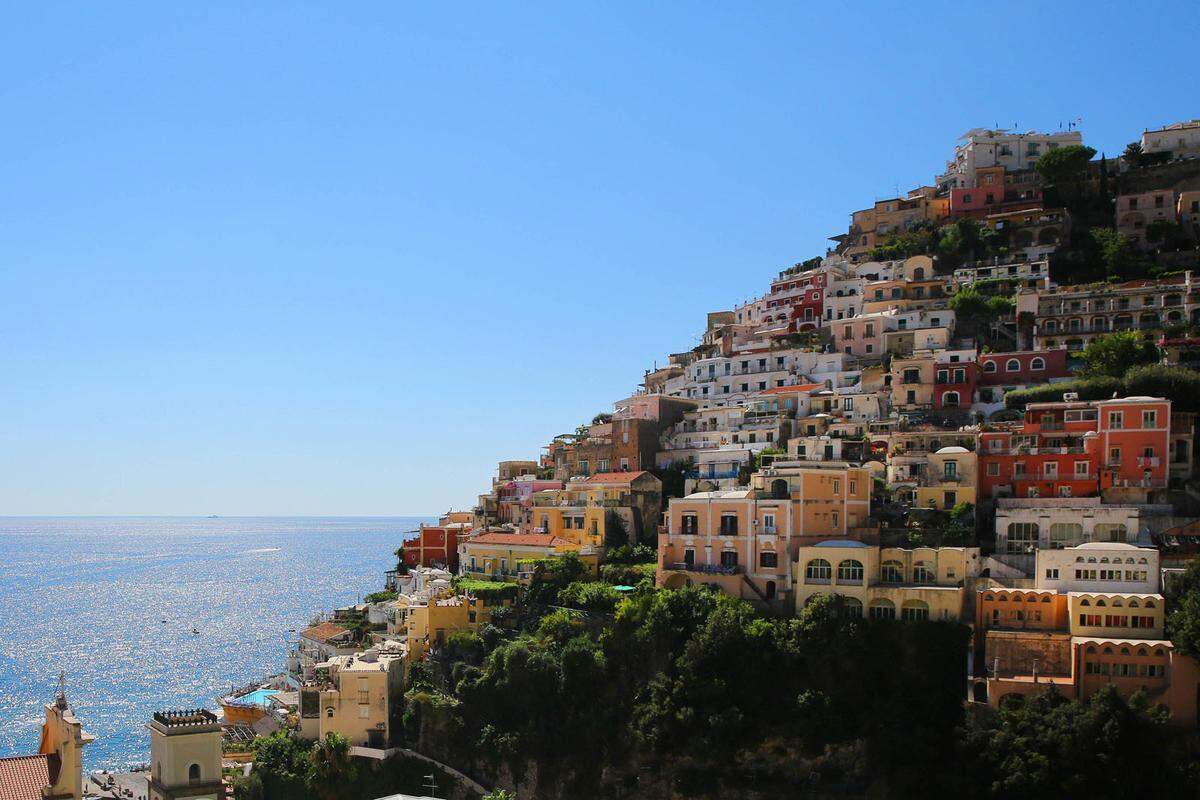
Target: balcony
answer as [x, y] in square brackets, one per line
[710, 475]
[704, 569]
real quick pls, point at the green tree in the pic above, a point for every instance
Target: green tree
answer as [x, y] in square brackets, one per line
[1180, 385]
[282, 764]
[1132, 154]
[589, 596]
[615, 532]
[1114, 353]
[248, 787]
[1183, 621]
[1066, 168]
[332, 769]
[1115, 250]
[1050, 746]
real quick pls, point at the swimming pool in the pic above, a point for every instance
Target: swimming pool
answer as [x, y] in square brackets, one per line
[259, 697]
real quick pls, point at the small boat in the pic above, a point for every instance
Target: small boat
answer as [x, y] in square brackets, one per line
[195, 631]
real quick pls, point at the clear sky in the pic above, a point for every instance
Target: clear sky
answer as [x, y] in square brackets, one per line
[332, 258]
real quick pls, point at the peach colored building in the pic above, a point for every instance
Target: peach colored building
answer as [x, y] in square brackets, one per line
[744, 541]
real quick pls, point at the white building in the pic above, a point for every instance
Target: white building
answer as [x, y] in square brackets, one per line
[1024, 525]
[1181, 139]
[1098, 567]
[982, 147]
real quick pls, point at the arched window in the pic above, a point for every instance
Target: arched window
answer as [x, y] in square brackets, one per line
[1134, 604]
[989, 366]
[1109, 532]
[923, 572]
[329, 712]
[1091, 648]
[779, 489]
[914, 610]
[891, 572]
[851, 608]
[1124, 651]
[1012, 365]
[1037, 364]
[1065, 534]
[850, 571]
[950, 400]
[1085, 602]
[882, 609]
[1143, 652]
[919, 274]
[818, 571]
[1150, 604]
[1101, 603]
[1022, 537]
[194, 773]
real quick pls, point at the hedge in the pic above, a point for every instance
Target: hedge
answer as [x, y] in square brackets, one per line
[1100, 388]
[1180, 385]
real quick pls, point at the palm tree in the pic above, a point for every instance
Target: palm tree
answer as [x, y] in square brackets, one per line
[332, 768]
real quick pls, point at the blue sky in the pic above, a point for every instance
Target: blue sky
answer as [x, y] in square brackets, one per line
[340, 259]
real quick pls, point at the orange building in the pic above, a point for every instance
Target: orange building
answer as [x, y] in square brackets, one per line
[743, 541]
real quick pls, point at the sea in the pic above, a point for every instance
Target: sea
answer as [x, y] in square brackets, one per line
[111, 604]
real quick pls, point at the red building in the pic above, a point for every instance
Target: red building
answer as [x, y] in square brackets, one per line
[1077, 449]
[954, 384]
[995, 191]
[435, 545]
[798, 299]
[1024, 368]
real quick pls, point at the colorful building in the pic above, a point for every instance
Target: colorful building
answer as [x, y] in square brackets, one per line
[743, 541]
[1078, 449]
[887, 583]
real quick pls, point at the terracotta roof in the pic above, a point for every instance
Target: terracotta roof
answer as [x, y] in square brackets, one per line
[24, 777]
[804, 387]
[324, 631]
[525, 539]
[616, 477]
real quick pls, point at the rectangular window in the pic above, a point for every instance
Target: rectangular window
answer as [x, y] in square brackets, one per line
[1149, 419]
[729, 558]
[993, 469]
[837, 486]
[1052, 574]
[768, 558]
[1116, 420]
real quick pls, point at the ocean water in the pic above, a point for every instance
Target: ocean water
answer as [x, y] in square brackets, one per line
[89, 596]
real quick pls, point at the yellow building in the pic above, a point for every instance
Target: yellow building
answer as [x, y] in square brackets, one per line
[185, 756]
[494, 555]
[949, 479]
[1132, 616]
[56, 770]
[356, 696]
[427, 625]
[889, 582]
[912, 381]
[829, 498]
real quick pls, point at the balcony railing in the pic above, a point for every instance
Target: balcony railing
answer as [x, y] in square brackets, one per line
[705, 569]
[1148, 461]
[711, 475]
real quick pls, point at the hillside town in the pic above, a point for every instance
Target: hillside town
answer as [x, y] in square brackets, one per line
[977, 407]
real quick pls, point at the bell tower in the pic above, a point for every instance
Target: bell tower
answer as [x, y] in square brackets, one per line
[185, 756]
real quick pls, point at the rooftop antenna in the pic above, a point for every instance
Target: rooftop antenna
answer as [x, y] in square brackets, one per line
[61, 699]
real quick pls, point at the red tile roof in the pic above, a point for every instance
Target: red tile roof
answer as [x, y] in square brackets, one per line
[522, 539]
[24, 777]
[616, 477]
[322, 632]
